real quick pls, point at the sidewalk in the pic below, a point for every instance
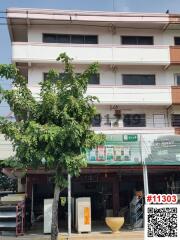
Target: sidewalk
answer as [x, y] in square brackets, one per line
[123, 235]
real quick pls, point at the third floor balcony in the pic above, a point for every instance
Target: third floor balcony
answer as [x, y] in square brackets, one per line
[104, 54]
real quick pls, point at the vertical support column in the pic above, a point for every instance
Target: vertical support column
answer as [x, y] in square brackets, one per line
[29, 186]
[21, 187]
[115, 196]
[69, 205]
[145, 178]
[145, 172]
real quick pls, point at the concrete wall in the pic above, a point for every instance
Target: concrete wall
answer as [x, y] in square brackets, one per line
[107, 75]
[104, 33]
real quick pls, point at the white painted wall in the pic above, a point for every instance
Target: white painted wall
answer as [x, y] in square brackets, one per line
[105, 33]
[6, 149]
[107, 75]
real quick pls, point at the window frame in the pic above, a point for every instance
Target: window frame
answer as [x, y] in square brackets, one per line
[70, 36]
[175, 79]
[96, 121]
[98, 74]
[123, 75]
[137, 41]
[62, 75]
[173, 123]
[175, 40]
[134, 125]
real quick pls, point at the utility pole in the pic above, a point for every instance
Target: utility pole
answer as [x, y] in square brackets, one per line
[69, 205]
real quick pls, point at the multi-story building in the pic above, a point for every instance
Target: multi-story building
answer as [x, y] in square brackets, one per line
[138, 86]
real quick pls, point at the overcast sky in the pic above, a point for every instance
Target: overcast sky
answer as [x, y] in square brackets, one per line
[103, 5]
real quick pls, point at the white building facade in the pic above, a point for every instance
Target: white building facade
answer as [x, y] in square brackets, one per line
[138, 83]
[138, 56]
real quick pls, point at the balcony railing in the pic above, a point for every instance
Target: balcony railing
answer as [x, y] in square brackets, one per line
[107, 54]
[126, 95]
[176, 95]
[132, 95]
[175, 54]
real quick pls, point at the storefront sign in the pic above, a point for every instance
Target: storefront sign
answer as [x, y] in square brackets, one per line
[130, 138]
[133, 149]
[116, 151]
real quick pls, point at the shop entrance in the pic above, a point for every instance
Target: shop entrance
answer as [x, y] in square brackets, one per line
[100, 194]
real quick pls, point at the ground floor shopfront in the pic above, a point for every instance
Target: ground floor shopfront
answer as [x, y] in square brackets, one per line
[110, 188]
[115, 174]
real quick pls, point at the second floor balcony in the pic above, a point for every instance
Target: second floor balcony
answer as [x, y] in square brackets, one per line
[132, 95]
[125, 95]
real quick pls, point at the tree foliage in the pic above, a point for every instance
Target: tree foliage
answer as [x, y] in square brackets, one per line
[7, 184]
[54, 127]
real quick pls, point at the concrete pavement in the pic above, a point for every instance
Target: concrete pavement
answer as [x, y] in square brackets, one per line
[123, 235]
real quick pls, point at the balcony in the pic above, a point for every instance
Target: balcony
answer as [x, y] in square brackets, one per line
[105, 54]
[111, 124]
[125, 95]
[132, 95]
[6, 149]
[175, 54]
[175, 95]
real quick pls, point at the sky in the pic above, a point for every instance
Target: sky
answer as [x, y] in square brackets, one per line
[159, 6]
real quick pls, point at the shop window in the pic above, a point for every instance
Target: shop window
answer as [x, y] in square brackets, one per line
[137, 40]
[96, 122]
[176, 40]
[175, 120]
[134, 120]
[138, 79]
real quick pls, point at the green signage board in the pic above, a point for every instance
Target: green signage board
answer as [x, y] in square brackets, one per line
[116, 151]
[130, 138]
[131, 149]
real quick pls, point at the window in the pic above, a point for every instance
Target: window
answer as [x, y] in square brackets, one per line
[176, 40]
[134, 120]
[79, 39]
[63, 38]
[95, 79]
[49, 38]
[175, 120]
[177, 79]
[62, 76]
[91, 39]
[96, 122]
[70, 38]
[138, 79]
[137, 40]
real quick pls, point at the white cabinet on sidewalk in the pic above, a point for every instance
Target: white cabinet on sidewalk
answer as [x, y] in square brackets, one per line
[47, 215]
[83, 215]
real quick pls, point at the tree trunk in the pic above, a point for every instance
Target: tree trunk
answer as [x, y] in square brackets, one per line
[54, 226]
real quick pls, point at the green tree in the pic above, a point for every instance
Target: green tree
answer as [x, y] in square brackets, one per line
[54, 128]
